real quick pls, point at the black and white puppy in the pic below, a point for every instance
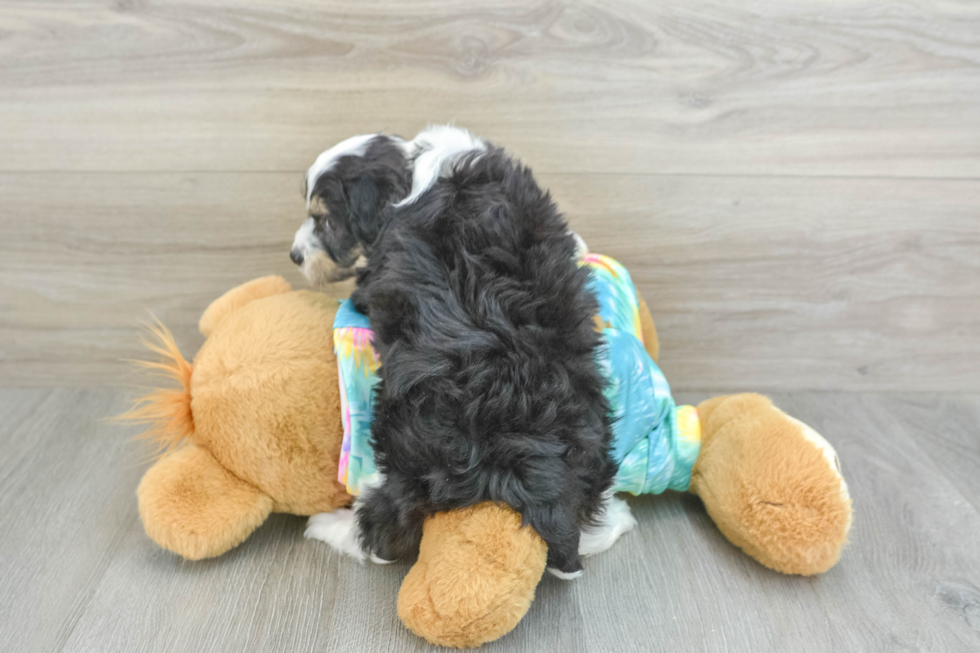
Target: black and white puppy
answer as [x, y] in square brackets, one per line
[489, 387]
[348, 190]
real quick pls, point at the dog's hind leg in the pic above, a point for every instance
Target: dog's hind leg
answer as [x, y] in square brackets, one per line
[390, 523]
[555, 523]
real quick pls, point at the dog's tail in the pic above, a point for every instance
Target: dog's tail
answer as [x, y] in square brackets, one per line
[436, 148]
[166, 411]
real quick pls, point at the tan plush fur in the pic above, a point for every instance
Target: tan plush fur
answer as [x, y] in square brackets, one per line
[193, 506]
[258, 414]
[166, 412]
[475, 576]
[769, 489]
[266, 400]
[238, 297]
[257, 428]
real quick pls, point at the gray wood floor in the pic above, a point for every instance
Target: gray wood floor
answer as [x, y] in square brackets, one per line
[794, 185]
[77, 572]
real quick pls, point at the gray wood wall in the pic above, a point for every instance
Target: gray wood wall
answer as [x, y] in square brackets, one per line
[795, 186]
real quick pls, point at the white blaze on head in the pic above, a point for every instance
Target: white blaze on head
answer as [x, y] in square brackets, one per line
[353, 146]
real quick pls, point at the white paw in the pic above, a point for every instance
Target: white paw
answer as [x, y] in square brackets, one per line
[564, 575]
[338, 529]
[616, 520]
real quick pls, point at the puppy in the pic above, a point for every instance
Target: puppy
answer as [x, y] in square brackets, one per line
[489, 387]
[348, 190]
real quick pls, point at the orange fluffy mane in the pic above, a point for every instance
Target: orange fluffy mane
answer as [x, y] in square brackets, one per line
[167, 411]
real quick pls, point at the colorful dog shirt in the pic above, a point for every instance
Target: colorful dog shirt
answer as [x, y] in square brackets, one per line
[655, 442]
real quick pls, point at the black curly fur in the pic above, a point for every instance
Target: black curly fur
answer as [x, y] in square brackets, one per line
[489, 388]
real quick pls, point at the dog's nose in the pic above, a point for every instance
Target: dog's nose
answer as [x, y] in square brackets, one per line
[297, 256]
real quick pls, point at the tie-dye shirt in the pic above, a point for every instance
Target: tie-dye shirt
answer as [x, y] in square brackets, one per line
[655, 443]
[358, 365]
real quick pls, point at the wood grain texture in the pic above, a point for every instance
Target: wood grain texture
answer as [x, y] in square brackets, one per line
[78, 574]
[793, 184]
[953, 443]
[756, 283]
[768, 87]
[66, 502]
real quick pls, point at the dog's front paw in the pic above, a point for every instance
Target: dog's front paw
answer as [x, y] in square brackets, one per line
[558, 573]
[338, 529]
[616, 520]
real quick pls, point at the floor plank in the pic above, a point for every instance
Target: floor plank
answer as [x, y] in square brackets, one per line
[953, 443]
[67, 483]
[75, 564]
[688, 585]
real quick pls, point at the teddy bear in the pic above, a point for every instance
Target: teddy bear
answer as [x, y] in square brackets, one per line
[261, 422]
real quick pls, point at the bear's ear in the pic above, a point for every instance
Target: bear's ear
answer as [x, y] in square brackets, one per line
[196, 508]
[239, 296]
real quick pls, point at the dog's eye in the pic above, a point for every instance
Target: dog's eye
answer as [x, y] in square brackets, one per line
[322, 220]
[318, 208]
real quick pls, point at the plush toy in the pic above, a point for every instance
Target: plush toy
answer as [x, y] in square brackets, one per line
[258, 426]
[254, 427]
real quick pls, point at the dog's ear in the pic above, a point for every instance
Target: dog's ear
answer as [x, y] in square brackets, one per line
[365, 210]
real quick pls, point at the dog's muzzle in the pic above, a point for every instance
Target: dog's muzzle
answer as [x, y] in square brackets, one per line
[304, 242]
[307, 252]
